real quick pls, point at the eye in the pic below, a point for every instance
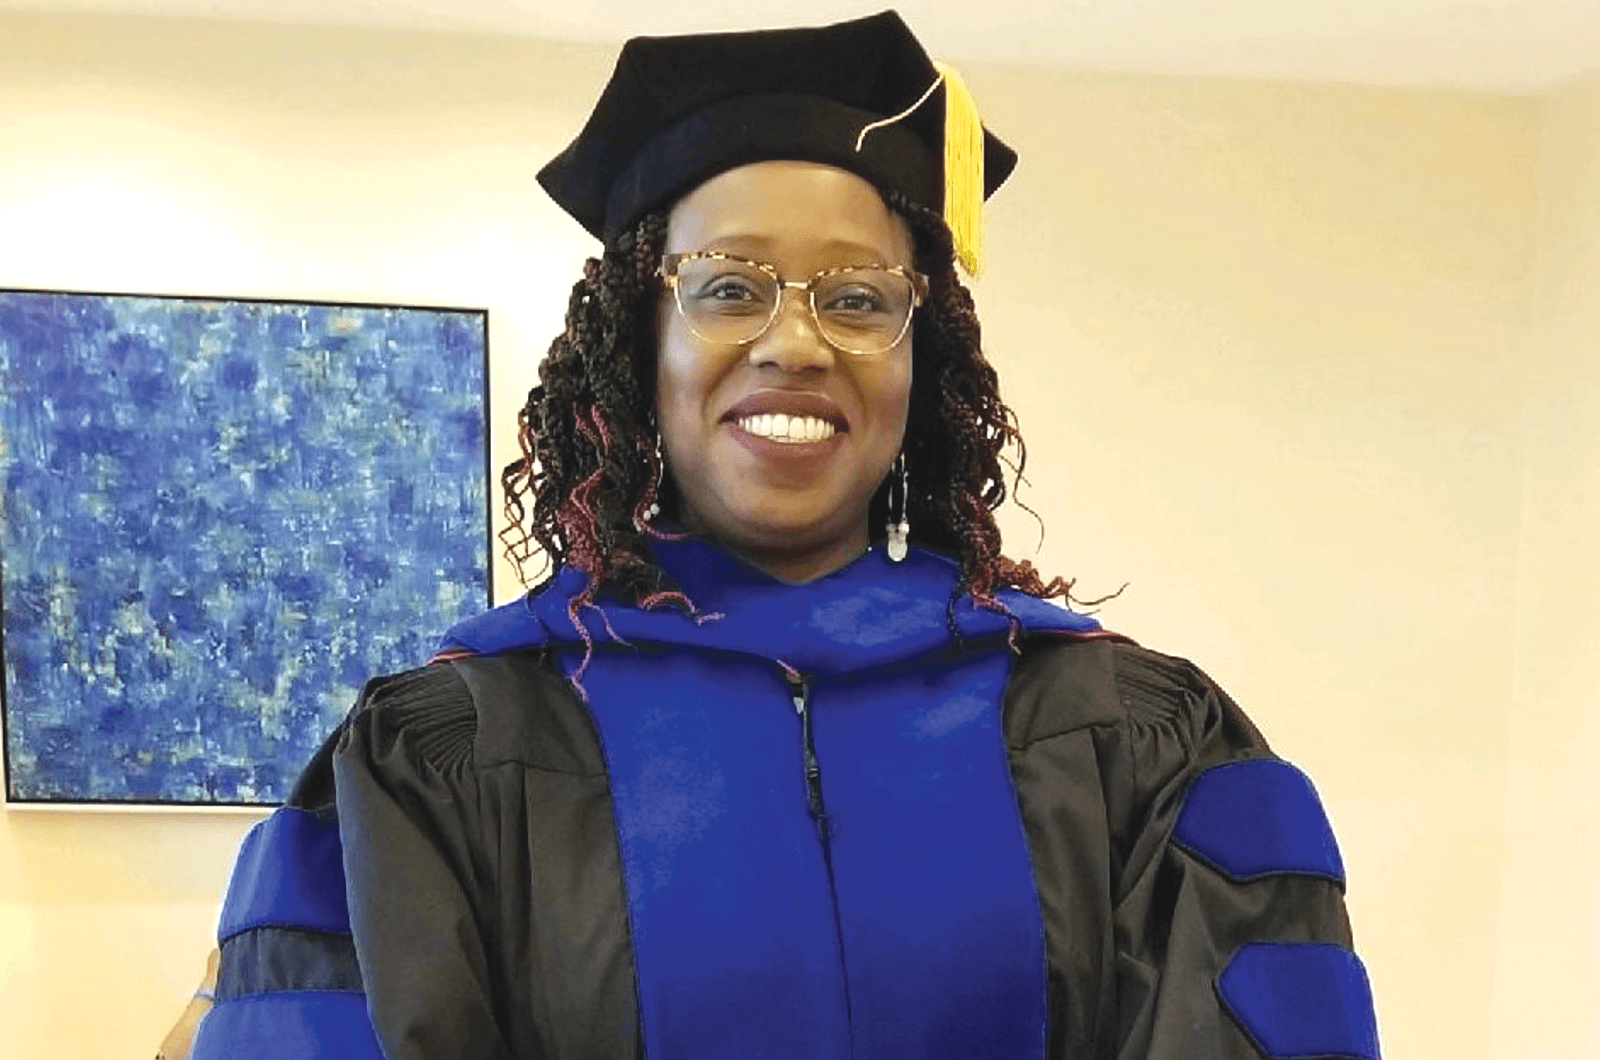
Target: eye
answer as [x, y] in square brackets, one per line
[729, 287]
[856, 298]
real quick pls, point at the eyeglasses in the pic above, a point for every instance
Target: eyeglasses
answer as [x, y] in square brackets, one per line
[862, 310]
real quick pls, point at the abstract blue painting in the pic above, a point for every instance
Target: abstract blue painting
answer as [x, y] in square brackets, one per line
[220, 519]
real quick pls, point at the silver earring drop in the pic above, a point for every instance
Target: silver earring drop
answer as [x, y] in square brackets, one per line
[661, 474]
[655, 489]
[899, 528]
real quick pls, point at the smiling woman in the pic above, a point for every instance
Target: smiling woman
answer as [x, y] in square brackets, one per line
[795, 508]
[741, 777]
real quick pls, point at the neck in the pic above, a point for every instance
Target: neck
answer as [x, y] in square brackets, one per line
[793, 569]
[792, 564]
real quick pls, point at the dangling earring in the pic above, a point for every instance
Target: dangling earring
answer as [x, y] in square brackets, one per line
[661, 476]
[659, 473]
[899, 528]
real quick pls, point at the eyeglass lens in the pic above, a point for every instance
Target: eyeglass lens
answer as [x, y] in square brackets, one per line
[859, 310]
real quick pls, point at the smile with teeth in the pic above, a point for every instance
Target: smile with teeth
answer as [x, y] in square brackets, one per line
[780, 427]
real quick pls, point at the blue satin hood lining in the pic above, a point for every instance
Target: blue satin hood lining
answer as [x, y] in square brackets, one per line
[871, 613]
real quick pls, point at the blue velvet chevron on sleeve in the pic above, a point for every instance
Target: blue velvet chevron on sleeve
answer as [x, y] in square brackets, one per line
[1301, 1000]
[289, 874]
[288, 986]
[291, 1025]
[1255, 818]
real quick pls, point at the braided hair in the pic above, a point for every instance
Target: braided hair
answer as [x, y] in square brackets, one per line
[590, 470]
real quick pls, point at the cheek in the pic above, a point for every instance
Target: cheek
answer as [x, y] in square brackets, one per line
[891, 399]
[685, 381]
[674, 376]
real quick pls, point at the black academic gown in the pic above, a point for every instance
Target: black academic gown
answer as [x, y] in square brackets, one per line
[1183, 880]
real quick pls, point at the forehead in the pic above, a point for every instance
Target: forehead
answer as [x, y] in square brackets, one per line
[800, 213]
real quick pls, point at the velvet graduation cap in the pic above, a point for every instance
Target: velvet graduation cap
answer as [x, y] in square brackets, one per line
[861, 95]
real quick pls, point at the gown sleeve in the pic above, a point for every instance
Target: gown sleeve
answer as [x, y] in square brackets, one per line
[409, 815]
[348, 929]
[1229, 926]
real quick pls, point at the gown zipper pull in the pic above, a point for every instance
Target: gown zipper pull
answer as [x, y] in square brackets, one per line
[800, 692]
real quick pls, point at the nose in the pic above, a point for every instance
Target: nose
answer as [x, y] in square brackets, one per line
[793, 342]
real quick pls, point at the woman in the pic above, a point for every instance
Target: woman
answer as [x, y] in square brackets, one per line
[739, 779]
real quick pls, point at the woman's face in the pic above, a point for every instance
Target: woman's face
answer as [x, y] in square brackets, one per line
[796, 509]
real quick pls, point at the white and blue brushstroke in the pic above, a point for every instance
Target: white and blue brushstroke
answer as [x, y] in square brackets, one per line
[220, 519]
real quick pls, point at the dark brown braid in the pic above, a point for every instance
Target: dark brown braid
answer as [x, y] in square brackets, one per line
[589, 469]
[958, 430]
[589, 463]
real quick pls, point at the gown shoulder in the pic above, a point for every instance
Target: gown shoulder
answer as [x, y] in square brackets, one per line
[1145, 787]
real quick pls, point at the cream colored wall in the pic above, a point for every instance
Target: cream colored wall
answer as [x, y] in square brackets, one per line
[1266, 342]
[1547, 996]
[1268, 338]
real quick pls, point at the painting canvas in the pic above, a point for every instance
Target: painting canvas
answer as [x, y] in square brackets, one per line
[221, 518]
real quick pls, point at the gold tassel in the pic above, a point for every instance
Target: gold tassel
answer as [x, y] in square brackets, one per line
[963, 163]
[963, 169]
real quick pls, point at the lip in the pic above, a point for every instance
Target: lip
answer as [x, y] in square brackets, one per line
[790, 403]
